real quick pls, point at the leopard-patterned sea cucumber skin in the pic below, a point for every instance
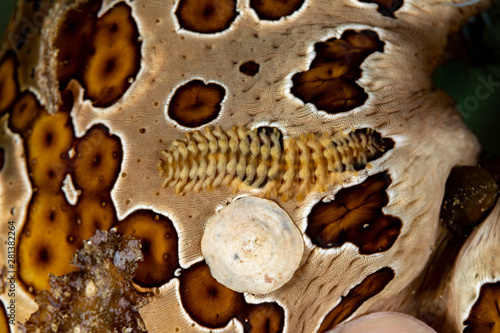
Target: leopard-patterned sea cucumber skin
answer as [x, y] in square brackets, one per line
[263, 159]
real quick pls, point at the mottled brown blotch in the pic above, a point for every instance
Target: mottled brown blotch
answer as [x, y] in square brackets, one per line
[24, 113]
[263, 318]
[206, 16]
[369, 287]
[484, 317]
[49, 140]
[275, 9]
[54, 229]
[355, 216]
[97, 160]
[196, 103]
[113, 65]
[42, 246]
[386, 7]
[469, 195]
[94, 211]
[9, 87]
[208, 302]
[103, 54]
[73, 39]
[158, 243]
[330, 83]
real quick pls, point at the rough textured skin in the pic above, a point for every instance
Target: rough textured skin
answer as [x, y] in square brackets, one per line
[401, 105]
[99, 296]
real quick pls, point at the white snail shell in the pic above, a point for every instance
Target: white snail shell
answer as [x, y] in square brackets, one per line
[252, 245]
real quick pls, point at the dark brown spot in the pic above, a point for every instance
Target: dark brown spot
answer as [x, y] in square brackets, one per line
[9, 87]
[196, 103]
[356, 216]
[160, 254]
[103, 54]
[263, 318]
[484, 317]
[369, 287]
[386, 7]
[109, 66]
[48, 139]
[249, 68]
[97, 160]
[25, 110]
[100, 152]
[208, 302]
[275, 9]
[330, 84]
[43, 255]
[206, 16]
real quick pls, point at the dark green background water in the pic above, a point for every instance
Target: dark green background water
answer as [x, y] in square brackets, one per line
[476, 59]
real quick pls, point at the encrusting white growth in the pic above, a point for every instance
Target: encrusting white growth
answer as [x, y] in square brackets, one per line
[263, 158]
[252, 246]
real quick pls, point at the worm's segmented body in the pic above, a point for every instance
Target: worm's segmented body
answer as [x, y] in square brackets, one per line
[263, 159]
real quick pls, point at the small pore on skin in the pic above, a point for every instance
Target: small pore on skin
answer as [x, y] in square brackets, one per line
[275, 9]
[158, 243]
[386, 7]
[330, 83]
[263, 159]
[195, 103]
[103, 54]
[369, 287]
[356, 216]
[249, 68]
[9, 87]
[206, 16]
[206, 301]
[484, 316]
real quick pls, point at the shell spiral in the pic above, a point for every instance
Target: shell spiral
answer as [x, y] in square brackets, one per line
[262, 158]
